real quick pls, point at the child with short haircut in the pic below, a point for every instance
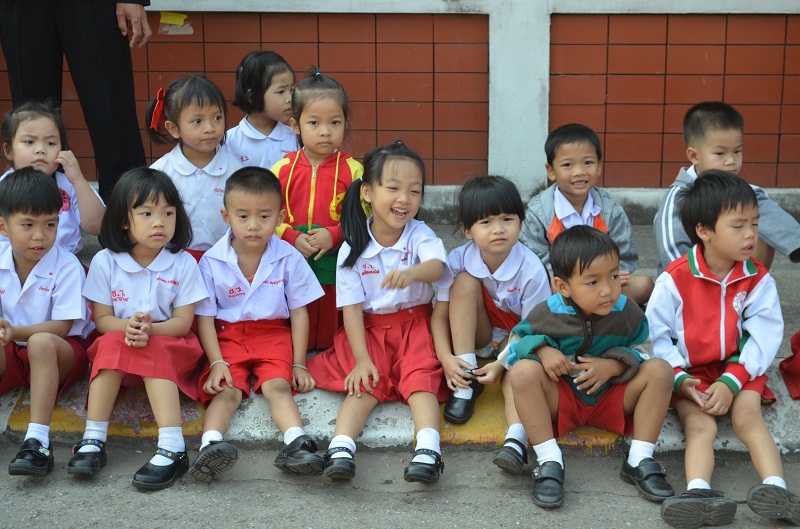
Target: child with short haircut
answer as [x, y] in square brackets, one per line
[713, 133]
[715, 317]
[264, 86]
[257, 285]
[573, 167]
[44, 321]
[583, 357]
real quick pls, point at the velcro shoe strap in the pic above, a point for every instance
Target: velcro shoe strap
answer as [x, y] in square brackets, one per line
[651, 468]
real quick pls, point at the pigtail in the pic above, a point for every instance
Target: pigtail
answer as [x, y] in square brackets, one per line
[354, 223]
[155, 117]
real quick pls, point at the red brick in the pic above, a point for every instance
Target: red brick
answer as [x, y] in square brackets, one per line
[461, 28]
[792, 60]
[347, 57]
[359, 86]
[156, 80]
[632, 174]
[405, 87]
[405, 116]
[669, 172]
[68, 91]
[349, 27]
[633, 147]
[363, 116]
[579, 29]
[461, 145]
[693, 88]
[5, 90]
[635, 88]
[593, 116]
[461, 58]
[461, 116]
[637, 29]
[88, 168]
[232, 27]
[140, 88]
[760, 174]
[226, 81]
[634, 118]
[791, 90]
[169, 56]
[289, 27]
[577, 59]
[793, 29]
[404, 28]
[141, 106]
[455, 172]
[673, 116]
[760, 148]
[300, 55]
[756, 29]
[80, 143]
[138, 58]
[359, 142]
[751, 60]
[195, 20]
[790, 148]
[696, 29]
[4, 66]
[225, 57]
[788, 175]
[753, 89]
[703, 60]
[790, 119]
[73, 115]
[466, 87]
[577, 89]
[760, 119]
[159, 150]
[235, 115]
[405, 58]
[420, 141]
[674, 148]
[636, 59]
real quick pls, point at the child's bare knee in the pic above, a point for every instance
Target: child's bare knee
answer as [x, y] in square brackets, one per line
[276, 387]
[658, 370]
[524, 373]
[744, 419]
[465, 284]
[230, 396]
[42, 347]
[700, 425]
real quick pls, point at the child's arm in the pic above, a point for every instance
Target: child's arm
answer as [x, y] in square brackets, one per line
[597, 371]
[21, 333]
[320, 239]
[490, 373]
[534, 233]
[440, 330]
[426, 272]
[178, 325]
[91, 207]
[662, 310]
[302, 381]
[364, 369]
[220, 371]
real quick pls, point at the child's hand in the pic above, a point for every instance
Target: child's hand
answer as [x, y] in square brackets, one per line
[554, 362]
[454, 373]
[302, 381]
[398, 279]
[624, 277]
[6, 332]
[361, 375]
[598, 371]
[70, 165]
[490, 373]
[321, 239]
[303, 246]
[688, 390]
[219, 373]
[138, 329]
[719, 400]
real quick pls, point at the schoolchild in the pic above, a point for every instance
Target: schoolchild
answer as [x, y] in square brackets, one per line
[584, 357]
[573, 167]
[254, 323]
[191, 113]
[489, 283]
[716, 318]
[314, 180]
[34, 135]
[143, 289]
[385, 350]
[44, 321]
[713, 132]
[264, 85]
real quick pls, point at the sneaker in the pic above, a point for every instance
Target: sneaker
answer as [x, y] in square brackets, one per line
[33, 459]
[300, 457]
[697, 507]
[215, 458]
[774, 503]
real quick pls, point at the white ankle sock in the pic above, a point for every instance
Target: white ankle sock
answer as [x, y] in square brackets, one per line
[775, 480]
[211, 435]
[517, 431]
[94, 430]
[471, 359]
[427, 438]
[640, 450]
[698, 484]
[549, 451]
[342, 441]
[40, 432]
[292, 433]
[171, 440]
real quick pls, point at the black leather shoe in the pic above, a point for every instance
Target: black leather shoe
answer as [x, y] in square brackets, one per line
[217, 457]
[548, 485]
[153, 477]
[424, 472]
[339, 467]
[458, 411]
[300, 457]
[697, 507]
[775, 503]
[649, 478]
[509, 459]
[87, 463]
[33, 459]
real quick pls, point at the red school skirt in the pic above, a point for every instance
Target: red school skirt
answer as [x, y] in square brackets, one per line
[324, 319]
[499, 319]
[401, 347]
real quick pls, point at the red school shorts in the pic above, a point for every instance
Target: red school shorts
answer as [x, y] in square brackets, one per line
[499, 319]
[608, 414]
[18, 367]
[709, 373]
[258, 347]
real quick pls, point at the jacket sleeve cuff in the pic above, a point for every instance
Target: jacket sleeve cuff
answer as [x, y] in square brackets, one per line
[626, 357]
[287, 233]
[680, 376]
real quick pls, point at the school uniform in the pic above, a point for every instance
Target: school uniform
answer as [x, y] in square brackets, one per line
[252, 317]
[396, 321]
[202, 191]
[253, 148]
[51, 292]
[171, 280]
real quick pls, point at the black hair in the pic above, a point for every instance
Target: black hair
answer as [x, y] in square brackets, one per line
[484, 196]
[314, 87]
[354, 219]
[710, 115]
[28, 190]
[134, 188]
[713, 193]
[29, 111]
[181, 93]
[254, 76]
[253, 180]
[571, 133]
[579, 245]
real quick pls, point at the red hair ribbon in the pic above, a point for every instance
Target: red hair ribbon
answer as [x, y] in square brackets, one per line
[158, 111]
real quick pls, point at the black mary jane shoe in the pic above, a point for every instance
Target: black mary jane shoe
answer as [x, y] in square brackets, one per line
[459, 411]
[548, 485]
[650, 479]
[509, 459]
[339, 467]
[154, 477]
[33, 459]
[300, 457]
[87, 463]
[417, 472]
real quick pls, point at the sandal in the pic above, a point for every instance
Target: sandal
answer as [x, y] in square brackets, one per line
[87, 463]
[424, 472]
[339, 467]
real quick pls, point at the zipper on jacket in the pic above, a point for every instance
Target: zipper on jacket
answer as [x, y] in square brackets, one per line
[312, 195]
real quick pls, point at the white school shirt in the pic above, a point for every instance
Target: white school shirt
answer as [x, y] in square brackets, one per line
[171, 280]
[518, 285]
[284, 281]
[362, 282]
[567, 214]
[252, 148]
[201, 192]
[68, 235]
[51, 291]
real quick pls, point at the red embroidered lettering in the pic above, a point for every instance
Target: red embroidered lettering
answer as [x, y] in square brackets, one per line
[168, 281]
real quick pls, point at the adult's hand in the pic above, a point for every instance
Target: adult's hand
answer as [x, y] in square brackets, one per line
[133, 17]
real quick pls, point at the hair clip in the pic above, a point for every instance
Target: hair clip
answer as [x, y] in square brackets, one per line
[158, 111]
[318, 73]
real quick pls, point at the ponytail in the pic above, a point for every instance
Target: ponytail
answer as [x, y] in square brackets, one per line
[354, 224]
